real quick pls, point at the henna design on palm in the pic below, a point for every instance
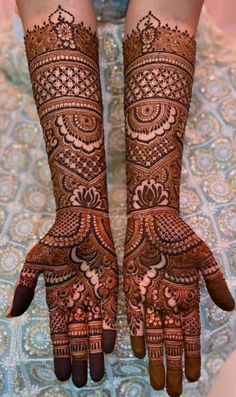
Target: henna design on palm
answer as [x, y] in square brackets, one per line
[77, 256]
[163, 256]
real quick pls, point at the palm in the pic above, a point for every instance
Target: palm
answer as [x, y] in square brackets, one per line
[163, 261]
[78, 262]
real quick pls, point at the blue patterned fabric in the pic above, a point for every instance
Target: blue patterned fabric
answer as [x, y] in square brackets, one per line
[108, 10]
[208, 193]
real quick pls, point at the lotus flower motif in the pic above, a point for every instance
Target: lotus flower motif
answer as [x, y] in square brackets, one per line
[86, 197]
[150, 194]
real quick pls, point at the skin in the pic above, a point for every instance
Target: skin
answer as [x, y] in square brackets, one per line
[161, 281]
[184, 13]
[34, 12]
[77, 256]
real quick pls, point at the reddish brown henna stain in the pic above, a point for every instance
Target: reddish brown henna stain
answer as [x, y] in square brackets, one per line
[77, 256]
[163, 255]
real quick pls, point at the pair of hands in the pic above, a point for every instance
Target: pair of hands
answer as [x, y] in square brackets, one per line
[163, 261]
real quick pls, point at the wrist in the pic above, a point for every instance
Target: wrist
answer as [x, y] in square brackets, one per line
[152, 194]
[87, 198]
[164, 210]
[77, 211]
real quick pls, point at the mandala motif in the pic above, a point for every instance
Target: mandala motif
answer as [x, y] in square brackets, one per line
[8, 187]
[227, 221]
[64, 33]
[36, 198]
[228, 111]
[218, 189]
[82, 130]
[10, 260]
[22, 228]
[37, 339]
[223, 151]
[215, 89]
[146, 121]
[15, 158]
[189, 201]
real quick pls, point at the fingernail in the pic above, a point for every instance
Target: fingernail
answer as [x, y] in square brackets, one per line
[8, 313]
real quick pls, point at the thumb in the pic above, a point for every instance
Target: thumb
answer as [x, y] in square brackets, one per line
[216, 284]
[24, 290]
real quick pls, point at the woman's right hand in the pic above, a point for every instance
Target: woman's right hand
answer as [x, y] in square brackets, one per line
[163, 261]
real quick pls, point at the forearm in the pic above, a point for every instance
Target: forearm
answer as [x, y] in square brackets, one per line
[159, 68]
[64, 68]
[183, 13]
[163, 255]
[35, 12]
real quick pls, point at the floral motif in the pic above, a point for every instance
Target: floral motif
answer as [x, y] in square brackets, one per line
[110, 282]
[86, 197]
[150, 194]
[148, 35]
[64, 33]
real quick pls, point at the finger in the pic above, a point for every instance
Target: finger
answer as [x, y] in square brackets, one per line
[108, 340]
[24, 290]
[109, 314]
[215, 282]
[154, 340]
[96, 355]
[138, 345]
[135, 313]
[135, 316]
[191, 327]
[174, 348]
[60, 343]
[109, 309]
[78, 343]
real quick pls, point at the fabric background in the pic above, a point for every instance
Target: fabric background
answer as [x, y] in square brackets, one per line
[222, 11]
[27, 211]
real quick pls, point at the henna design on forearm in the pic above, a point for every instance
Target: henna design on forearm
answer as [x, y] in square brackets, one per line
[159, 67]
[77, 256]
[163, 255]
